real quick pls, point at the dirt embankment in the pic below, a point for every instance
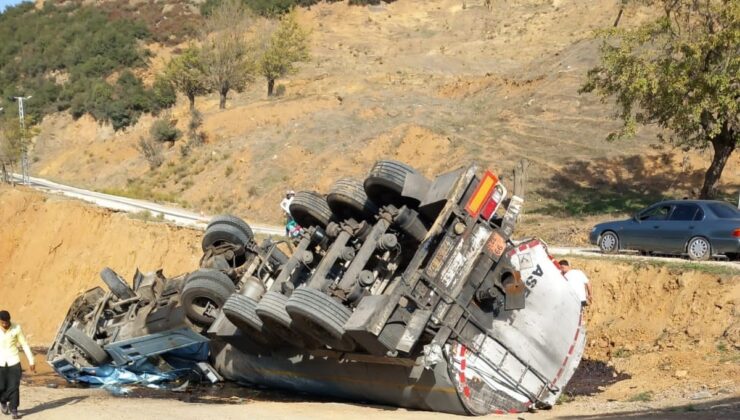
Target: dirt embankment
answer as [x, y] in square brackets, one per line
[52, 248]
[673, 330]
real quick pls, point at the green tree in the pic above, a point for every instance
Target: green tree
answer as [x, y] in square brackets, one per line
[680, 72]
[287, 46]
[228, 53]
[186, 74]
[14, 142]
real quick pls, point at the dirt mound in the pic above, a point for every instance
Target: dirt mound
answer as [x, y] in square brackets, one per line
[51, 249]
[669, 328]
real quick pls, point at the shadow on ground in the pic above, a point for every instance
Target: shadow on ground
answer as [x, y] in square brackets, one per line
[49, 405]
[618, 185]
[728, 408]
[592, 375]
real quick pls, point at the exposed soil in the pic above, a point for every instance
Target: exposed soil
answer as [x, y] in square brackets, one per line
[52, 249]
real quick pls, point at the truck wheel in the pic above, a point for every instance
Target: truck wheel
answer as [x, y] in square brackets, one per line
[384, 184]
[229, 229]
[347, 200]
[204, 293]
[271, 310]
[309, 208]
[240, 310]
[92, 351]
[116, 284]
[321, 317]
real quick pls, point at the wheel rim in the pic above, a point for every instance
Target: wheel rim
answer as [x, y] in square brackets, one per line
[698, 248]
[608, 242]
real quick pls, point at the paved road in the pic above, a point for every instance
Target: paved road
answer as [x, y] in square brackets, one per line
[186, 218]
[628, 255]
[178, 216]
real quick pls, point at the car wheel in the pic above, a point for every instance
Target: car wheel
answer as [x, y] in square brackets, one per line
[204, 293]
[699, 249]
[609, 242]
[92, 351]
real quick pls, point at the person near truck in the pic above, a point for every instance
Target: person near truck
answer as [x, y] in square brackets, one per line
[292, 230]
[11, 337]
[578, 281]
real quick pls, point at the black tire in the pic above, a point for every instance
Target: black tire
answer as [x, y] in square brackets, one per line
[116, 284]
[609, 242]
[93, 351]
[699, 248]
[320, 316]
[271, 310]
[733, 256]
[384, 183]
[347, 200]
[229, 229]
[202, 289]
[240, 310]
[309, 208]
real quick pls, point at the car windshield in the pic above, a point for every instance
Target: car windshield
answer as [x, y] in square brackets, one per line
[724, 211]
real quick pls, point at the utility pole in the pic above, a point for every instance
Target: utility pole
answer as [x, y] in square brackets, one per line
[3, 173]
[24, 155]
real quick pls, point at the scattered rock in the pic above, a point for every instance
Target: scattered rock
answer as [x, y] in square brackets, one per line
[681, 374]
[693, 331]
[701, 395]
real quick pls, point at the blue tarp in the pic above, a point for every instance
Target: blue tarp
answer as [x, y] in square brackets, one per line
[143, 372]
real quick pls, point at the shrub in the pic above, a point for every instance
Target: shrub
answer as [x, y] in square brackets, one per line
[151, 151]
[164, 130]
[65, 56]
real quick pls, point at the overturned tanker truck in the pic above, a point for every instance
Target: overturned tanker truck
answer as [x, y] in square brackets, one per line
[400, 290]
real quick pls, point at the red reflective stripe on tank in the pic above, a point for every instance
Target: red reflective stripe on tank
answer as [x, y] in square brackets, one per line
[514, 411]
[499, 412]
[524, 247]
[461, 374]
[570, 351]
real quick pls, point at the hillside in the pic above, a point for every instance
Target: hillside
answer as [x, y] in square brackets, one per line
[428, 82]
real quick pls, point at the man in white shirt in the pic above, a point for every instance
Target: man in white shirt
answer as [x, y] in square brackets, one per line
[11, 336]
[578, 281]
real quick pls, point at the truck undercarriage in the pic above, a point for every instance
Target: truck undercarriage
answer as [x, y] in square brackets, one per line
[398, 289]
